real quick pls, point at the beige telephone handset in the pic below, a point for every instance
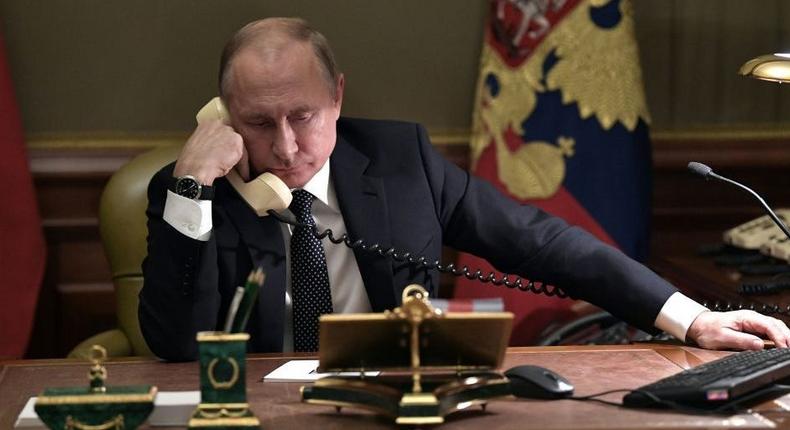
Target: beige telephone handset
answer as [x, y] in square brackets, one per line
[758, 233]
[762, 234]
[263, 193]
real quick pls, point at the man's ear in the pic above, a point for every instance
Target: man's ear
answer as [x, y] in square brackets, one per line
[341, 84]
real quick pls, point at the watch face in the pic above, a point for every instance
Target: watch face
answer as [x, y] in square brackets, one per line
[187, 187]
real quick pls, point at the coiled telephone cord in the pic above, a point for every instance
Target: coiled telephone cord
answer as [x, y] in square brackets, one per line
[763, 308]
[535, 287]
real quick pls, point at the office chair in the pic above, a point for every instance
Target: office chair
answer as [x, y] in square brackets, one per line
[122, 223]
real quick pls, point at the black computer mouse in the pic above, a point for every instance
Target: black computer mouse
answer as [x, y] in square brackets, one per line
[535, 382]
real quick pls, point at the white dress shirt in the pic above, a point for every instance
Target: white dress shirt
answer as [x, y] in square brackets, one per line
[193, 219]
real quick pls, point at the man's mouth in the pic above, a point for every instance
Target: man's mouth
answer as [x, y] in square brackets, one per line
[283, 170]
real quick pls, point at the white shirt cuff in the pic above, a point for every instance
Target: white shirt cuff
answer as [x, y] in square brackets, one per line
[677, 314]
[192, 218]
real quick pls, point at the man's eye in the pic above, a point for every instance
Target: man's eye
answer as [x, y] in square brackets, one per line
[301, 117]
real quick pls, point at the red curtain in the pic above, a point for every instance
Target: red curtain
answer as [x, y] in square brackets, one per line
[22, 250]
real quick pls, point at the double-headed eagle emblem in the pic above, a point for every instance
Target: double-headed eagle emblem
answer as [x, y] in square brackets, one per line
[597, 68]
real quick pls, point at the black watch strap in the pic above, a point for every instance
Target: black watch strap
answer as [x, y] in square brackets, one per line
[206, 192]
[189, 187]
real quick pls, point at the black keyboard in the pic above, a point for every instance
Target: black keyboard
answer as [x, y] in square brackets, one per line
[717, 382]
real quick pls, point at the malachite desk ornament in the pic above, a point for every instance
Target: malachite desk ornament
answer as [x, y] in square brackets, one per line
[223, 376]
[431, 363]
[96, 407]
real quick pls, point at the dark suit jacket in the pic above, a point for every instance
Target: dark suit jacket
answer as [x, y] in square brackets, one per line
[395, 190]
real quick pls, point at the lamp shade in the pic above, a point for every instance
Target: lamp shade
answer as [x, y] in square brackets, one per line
[771, 67]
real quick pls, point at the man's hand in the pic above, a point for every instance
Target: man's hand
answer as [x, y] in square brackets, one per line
[731, 330]
[212, 150]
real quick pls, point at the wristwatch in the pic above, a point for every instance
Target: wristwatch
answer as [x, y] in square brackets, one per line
[189, 187]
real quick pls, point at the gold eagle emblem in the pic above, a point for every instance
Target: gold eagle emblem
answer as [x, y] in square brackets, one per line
[597, 68]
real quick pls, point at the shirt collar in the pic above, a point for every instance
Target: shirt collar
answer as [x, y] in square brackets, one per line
[319, 186]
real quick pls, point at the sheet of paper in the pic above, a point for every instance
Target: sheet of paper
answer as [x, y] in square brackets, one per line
[171, 408]
[304, 371]
[28, 417]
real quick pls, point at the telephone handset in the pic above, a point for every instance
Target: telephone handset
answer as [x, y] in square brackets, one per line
[264, 193]
[760, 233]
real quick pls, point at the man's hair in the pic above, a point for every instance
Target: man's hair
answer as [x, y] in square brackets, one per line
[295, 29]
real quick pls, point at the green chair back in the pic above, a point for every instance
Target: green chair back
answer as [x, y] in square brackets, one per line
[123, 228]
[122, 223]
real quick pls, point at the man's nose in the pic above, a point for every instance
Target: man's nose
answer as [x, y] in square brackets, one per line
[284, 145]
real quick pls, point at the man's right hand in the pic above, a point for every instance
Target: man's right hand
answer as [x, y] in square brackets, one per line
[210, 152]
[737, 330]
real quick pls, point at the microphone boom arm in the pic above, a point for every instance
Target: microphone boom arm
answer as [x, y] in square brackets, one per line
[767, 208]
[707, 173]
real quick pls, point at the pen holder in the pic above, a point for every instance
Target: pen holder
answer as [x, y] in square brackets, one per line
[223, 392]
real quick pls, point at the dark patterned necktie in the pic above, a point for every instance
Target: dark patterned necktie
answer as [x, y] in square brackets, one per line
[309, 277]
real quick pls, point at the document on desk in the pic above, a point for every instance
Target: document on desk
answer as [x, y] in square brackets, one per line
[304, 371]
[171, 408]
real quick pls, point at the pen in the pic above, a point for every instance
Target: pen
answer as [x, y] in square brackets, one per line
[234, 308]
[254, 283]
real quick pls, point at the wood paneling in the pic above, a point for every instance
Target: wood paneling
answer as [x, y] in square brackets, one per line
[76, 298]
[691, 52]
[683, 200]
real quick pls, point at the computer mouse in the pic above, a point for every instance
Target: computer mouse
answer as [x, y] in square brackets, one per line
[535, 382]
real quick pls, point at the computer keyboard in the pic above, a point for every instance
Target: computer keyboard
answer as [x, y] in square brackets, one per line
[717, 382]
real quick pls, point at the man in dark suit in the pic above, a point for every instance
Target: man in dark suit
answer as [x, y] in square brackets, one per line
[376, 180]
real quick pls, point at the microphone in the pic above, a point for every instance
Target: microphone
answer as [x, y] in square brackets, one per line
[707, 173]
[700, 169]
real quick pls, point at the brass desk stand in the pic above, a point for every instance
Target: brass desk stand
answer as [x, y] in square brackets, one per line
[432, 363]
[223, 389]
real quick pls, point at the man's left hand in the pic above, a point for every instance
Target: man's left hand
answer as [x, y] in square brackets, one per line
[737, 330]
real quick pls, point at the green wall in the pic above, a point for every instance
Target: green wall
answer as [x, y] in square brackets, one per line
[148, 65]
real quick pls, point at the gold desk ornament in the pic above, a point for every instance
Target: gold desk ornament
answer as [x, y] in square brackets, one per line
[96, 407]
[223, 387]
[432, 363]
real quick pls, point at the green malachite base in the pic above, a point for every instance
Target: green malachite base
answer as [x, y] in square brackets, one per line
[80, 407]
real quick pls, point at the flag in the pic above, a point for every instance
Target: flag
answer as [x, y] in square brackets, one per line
[560, 122]
[22, 250]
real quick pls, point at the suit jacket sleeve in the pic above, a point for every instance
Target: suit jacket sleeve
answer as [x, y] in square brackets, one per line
[179, 295]
[525, 241]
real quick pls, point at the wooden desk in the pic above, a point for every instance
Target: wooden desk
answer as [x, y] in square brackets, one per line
[591, 369]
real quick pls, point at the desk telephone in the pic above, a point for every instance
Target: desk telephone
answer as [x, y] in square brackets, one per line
[767, 235]
[759, 238]
[268, 195]
[761, 234]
